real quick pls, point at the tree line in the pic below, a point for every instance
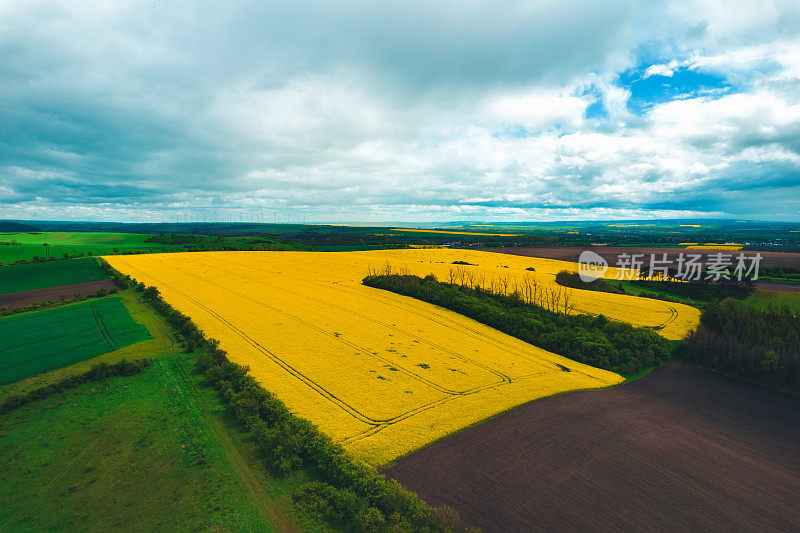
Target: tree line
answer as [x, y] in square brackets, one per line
[589, 339]
[754, 343]
[781, 272]
[98, 372]
[702, 289]
[347, 493]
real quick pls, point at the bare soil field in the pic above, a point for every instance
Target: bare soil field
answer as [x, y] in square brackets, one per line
[777, 286]
[66, 292]
[682, 449]
[610, 254]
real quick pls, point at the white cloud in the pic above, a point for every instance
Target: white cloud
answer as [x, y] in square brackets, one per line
[396, 110]
[663, 69]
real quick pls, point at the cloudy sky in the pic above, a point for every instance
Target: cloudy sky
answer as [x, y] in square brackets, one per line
[385, 111]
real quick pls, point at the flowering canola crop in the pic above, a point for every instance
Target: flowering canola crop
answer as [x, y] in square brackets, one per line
[381, 373]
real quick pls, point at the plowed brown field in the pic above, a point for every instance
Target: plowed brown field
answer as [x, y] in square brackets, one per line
[63, 292]
[610, 253]
[682, 449]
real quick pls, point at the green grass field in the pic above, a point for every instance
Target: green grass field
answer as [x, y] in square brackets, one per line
[26, 246]
[776, 298]
[148, 452]
[31, 343]
[28, 276]
[161, 442]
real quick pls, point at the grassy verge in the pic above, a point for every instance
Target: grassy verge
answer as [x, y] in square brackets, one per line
[143, 440]
[764, 299]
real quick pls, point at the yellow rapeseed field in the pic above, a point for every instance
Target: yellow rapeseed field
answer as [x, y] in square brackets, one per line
[457, 232]
[381, 373]
[714, 246]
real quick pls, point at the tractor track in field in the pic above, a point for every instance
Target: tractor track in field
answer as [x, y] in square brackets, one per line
[503, 377]
[462, 330]
[442, 321]
[258, 493]
[377, 424]
[101, 325]
[321, 389]
[412, 310]
[672, 317]
[362, 349]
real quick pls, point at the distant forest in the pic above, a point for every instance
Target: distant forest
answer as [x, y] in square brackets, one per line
[758, 344]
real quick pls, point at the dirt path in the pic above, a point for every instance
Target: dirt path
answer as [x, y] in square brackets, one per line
[681, 449]
[269, 510]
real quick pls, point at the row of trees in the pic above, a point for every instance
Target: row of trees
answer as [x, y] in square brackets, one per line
[702, 289]
[782, 272]
[40, 259]
[348, 493]
[527, 289]
[98, 372]
[758, 344]
[573, 279]
[593, 340]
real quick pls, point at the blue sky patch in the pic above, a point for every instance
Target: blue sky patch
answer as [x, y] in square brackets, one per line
[684, 83]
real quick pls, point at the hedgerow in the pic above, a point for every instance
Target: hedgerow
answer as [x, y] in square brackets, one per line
[98, 372]
[349, 493]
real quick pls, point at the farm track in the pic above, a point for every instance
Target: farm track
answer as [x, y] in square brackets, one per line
[681, 449]
[194, 401]
[377, 424]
